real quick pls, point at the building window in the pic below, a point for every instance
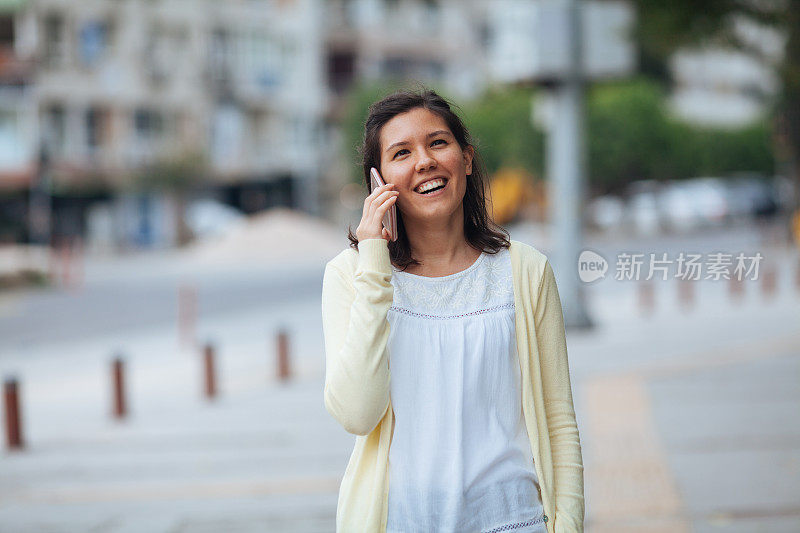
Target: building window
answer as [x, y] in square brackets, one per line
[432, 18]
[12, 147]
[148, 123]
[54, 128]
[405, 68]
[94, 41]
[164, 51]
[54, 39]
[264, 59]
[341, 69]
[96, 121]
[220, 55]
[6, 30]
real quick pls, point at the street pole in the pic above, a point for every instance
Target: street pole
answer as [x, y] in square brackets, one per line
[566, 155]
[39, 202]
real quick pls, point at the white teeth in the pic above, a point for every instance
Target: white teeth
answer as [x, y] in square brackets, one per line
[428, 185]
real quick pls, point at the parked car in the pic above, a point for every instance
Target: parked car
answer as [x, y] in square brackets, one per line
[642, 213]
[709, 199]
[679, 210]
[606, 212]
[751, 195]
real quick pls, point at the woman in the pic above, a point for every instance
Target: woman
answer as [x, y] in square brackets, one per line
[475, 431]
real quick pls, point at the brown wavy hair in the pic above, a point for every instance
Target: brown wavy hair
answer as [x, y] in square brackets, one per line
[479, 230]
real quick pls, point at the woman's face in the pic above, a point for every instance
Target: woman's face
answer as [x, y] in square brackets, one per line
[418, 146]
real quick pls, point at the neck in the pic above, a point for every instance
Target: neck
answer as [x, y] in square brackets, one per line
[438, 242]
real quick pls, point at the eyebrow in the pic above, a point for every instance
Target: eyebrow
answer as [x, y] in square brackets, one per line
[432, 134]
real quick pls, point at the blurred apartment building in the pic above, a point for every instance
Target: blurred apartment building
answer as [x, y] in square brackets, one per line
[723, 87]
[93, 93]
[713, 86]
[433, 41]
[96, 92]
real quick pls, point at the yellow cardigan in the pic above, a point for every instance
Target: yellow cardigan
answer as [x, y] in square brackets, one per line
[356, 296]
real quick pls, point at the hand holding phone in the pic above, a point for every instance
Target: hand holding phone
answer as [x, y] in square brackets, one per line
[390, 217]
[379, 219]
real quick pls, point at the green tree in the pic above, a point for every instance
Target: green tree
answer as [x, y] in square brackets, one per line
[627, 134]
[500, 123]
[664, 27]
[177, 174]
[632, 136]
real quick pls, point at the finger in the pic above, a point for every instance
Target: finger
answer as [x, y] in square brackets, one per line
[379, 201]
[375, 196]
[377, 192]
[386, 204]
[380, 212]
[382, 190]
[374, 193]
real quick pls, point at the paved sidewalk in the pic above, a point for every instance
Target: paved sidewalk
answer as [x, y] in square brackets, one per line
[262, 456]
[687, 417]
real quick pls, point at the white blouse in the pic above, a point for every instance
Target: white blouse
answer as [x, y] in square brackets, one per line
[460, 459]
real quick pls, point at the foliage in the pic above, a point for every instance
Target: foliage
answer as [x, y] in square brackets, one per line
[631, 136]
[178, 172]
[500, 123]
[664, 27]
[627, 134]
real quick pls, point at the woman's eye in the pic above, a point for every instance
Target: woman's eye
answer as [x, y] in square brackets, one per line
[402, 151]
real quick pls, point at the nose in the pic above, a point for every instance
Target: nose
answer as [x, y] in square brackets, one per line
[425, 162]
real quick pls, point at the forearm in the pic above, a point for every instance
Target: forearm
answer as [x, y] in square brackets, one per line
[567, 468]
[356, 337]
[559, 408]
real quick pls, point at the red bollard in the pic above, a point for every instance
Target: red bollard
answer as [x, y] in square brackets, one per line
[78, 262]
[52, 264]
[686, 293]
[187, 314]
[13, 425]
[210, 378]
[646, 297]
[118, 380]
[735, 288]
[66, 262]
[769, 282]
[283, 356]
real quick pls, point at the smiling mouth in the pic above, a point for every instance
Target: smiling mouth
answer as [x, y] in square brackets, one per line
[435, 188]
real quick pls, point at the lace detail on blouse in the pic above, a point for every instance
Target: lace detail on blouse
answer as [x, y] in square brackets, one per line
[483, 286]
[511, 527]
[436, 317]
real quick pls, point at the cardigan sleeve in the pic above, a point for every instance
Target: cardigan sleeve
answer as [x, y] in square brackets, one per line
[559, 408]
[354, 311]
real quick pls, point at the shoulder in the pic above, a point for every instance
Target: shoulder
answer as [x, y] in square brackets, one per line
[345, 261]
[527, 254]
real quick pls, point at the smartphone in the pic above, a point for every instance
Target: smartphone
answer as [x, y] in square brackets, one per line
[390, 218]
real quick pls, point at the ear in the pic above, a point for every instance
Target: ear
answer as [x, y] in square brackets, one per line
[469, 154]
